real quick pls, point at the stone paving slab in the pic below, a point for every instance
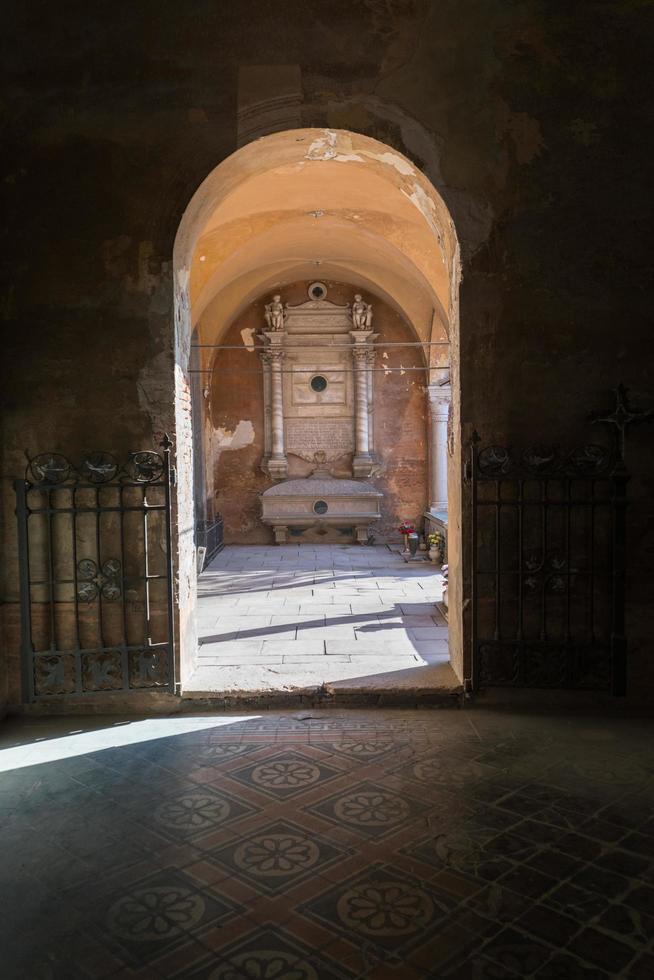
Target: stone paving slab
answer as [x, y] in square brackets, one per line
[331, 608]
[295, 617]
[371, 647]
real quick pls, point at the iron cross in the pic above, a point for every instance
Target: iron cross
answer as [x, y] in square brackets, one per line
[622, 417]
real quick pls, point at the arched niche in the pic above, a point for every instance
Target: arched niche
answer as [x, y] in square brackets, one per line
[314, 203]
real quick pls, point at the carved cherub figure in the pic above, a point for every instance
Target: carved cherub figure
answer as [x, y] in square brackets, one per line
[361, 313]
[275, 315]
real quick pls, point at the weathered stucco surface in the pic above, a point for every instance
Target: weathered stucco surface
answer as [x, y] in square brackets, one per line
[529, 118]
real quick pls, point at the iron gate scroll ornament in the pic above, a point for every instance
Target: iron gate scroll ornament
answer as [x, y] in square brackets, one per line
[96, 584]
[93, 582]
[547, 536]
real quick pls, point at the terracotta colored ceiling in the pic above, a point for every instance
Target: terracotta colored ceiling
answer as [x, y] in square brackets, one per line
[310, 203]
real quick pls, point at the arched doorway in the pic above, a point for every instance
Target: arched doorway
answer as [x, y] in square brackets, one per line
[332, 206]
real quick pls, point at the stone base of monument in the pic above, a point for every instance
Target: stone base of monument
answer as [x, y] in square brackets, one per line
[362, 466]
[278, 468]
[321, 502]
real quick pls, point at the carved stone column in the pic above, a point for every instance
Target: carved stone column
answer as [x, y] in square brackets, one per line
[267, 410]
[362, 461]
[439, 397]
[278, 463]
[370, 364]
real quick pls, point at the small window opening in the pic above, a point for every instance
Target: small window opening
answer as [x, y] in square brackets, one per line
[317, 290]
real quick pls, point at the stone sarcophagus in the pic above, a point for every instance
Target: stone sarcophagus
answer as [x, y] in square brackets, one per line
[319, 501]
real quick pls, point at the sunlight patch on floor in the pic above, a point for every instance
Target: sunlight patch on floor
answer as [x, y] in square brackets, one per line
[304, 616]
[67, 745]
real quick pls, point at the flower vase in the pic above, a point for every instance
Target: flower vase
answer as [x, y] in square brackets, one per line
[405, 550]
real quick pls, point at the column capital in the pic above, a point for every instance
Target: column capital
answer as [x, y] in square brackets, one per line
[360, 354]
[440, 398]
[362, 338]
[275, 338]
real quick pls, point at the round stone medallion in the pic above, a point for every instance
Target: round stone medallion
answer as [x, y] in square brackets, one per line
[317, 291]
[318, 383]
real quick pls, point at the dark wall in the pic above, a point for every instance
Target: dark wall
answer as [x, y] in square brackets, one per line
[533, 119]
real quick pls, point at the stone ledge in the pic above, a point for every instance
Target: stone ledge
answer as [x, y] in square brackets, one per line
[406, 686]
[319, 698]
[312, 486]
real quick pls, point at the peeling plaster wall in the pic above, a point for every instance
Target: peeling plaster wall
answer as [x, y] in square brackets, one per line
[234, 423]
[529, 118]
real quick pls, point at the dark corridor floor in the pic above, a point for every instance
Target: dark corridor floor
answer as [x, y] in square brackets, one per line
[317, 846]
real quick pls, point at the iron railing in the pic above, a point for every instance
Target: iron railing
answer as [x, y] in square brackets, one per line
[548, 568]
[96, 582]
[209, 540]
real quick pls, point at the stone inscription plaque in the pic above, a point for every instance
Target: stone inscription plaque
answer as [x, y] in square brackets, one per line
[308, 436]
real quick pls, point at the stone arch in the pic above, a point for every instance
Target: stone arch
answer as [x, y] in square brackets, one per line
[324, 204]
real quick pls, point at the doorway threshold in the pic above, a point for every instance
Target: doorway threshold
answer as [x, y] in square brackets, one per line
[324, 624]
[417, 685]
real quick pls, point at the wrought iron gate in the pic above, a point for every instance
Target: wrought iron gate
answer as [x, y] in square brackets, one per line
[96, 584]
[548, 545]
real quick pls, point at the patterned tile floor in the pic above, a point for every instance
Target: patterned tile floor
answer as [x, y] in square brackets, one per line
[300, 616]
[327, 846]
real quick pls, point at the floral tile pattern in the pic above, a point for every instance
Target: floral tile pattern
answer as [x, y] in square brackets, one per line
[278, 856]
[160, 910]
[360, 749]
[190, 813]
[370, 809]
[284, 775]
[328, 845]
[268, 955]
[383, 908]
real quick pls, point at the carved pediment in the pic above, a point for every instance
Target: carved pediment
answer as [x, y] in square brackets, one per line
[321, 305]
[318, 316]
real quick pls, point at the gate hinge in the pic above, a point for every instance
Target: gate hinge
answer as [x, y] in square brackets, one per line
[173, 476]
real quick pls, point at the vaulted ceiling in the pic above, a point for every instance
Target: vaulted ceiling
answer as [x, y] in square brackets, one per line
[325, 204]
